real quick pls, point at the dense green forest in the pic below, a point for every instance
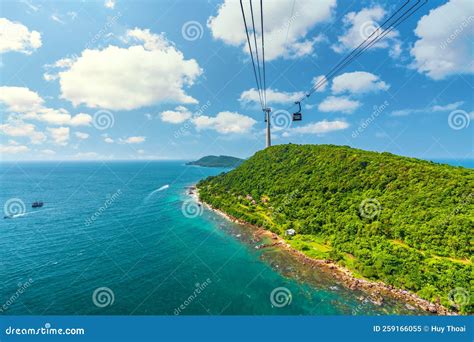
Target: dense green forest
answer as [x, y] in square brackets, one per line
[402, 220]
[217, 161]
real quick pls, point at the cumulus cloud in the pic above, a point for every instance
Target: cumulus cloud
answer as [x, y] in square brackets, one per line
[358, 26]
[225, 122]
[358, 82]
[109, 4]
[133, 140]
[285, 34]
[320, 127]
[13, 148]
[18, 128]
[176, 116]
[81, 135]
[273, 96]
[59, 135]
[150, 71]
[444, 46]
[20, 99]
[30, 105]
[15, 36]
[338, 104]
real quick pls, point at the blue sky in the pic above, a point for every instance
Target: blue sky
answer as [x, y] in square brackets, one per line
[173, 79]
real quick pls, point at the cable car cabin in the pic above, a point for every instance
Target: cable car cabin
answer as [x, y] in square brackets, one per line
[297, 116]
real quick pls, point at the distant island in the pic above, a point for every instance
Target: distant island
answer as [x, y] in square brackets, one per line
[403, 221]
[217, 161]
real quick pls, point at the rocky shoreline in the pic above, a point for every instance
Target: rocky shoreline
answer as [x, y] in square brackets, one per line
[375, 290]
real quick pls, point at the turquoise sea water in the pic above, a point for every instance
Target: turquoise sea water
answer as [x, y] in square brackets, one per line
[130, 227]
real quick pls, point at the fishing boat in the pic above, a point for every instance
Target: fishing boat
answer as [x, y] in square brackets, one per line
[37, 204]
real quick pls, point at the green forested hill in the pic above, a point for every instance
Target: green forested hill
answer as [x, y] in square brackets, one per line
[405, 221]
[217, 161]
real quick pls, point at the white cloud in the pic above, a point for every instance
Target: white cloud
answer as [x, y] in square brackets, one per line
[18, 128]
[81, 135]
[109, 140]
[360, 25]
[436, 108]
[59, 135]
[445, 44]
[227, 25]
[109, 4]
[29, 104]
[179, 115]
[15, 36]
[273, 96]
[20, 99]
[149, 72]
[322, 81]
[133, 140]
[225, 122]
[447, 108]
[320, 127]
[47, 152]
[358, 82]
[13, 148]
[338, 104]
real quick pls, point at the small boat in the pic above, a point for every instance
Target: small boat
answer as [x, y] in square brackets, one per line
[37, 204]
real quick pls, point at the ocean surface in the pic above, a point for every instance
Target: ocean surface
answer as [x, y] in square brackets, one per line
[126, 238]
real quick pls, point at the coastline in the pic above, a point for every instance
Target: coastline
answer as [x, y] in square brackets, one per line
[375, 289]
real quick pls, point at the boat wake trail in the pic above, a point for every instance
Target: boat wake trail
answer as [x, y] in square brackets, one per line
[28, 213]
[164, 187]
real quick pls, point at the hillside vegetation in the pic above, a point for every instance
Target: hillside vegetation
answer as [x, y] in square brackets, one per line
[402, 220]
